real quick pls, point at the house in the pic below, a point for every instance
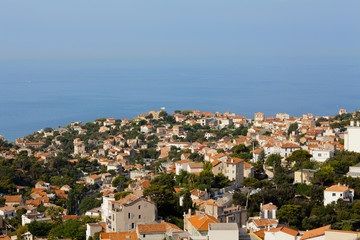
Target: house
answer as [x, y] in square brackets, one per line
[178, 130]
[194, 167]
[268, 211]
[257, 224]
[7, 212]
[228, 231]
[217, 167]
[305, 176]
[354, 171]
[93, 179]
[339, 234]
[92, 228]
[146, 128]
[156, 230]
[196, 194]
[181, 165]
[281, 233]
[129, 211]
[198, 224]
[79, 147]
[352, 138]
[233, 214]
[234, 170]
[321, 155]
[28, 218]
[248, 170]
[43, 185]
[259, 117]
[336, 192]
[288, 148]
[65, 188]
[12, 200]
[256, 154]
[316, 234]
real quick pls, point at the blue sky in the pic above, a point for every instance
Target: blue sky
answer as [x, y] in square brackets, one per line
[144, 31]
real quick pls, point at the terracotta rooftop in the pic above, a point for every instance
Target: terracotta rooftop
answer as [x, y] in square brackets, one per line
[197, 193]
[290, 145]
[269, 207]
[13, 198]
[201, 221]
[286, 230]
[157, 228]
[337, 188]
[264, 222]
[119, 236]
[315, 232]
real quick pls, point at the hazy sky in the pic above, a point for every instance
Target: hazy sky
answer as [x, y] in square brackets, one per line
[157, 29]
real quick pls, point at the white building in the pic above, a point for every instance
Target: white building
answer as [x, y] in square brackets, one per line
[354, 171]
[321, 155]
[181, 165]
[268, 211]
[7, 212]
[105, 209]
[228, 231]
[352, 138]
[92, 228]
[28, 218]
[281, 233]
[335, 192]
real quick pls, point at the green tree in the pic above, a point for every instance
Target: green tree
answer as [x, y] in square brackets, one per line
[300, 157]
[187, 201]
[290, 214]
[239, 198]
[72, 229]
[273, 160]
[89, 203]
[2, 202]
[293, 127]
[40, 228]
[120, 182]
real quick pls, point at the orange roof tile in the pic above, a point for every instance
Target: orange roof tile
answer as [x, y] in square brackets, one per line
[315, 232]
[156, 227]
[201, 221]
[287, 230]
[215, 162]
[119, 236]
[264, 222]
[13, 198]
[337, 188]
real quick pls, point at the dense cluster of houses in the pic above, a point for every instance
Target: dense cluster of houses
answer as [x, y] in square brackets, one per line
[135, 217]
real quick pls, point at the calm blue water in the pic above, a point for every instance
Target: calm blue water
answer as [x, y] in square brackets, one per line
[37, 94]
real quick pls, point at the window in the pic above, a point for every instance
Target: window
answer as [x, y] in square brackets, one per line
[139, 216]
[129, 215]
[139, 206]
[340, 194]
[334, 194]
[319, 154]
[132, 225]
[143, 235]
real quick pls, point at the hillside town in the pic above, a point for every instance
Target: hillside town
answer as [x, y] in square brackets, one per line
[185, 175]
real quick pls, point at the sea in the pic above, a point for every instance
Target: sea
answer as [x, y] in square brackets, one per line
[40, 93]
